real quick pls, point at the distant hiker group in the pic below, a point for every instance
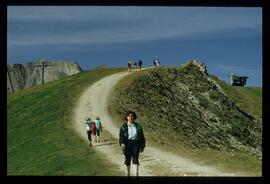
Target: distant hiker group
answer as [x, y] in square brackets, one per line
[137, 66]
[93, 129]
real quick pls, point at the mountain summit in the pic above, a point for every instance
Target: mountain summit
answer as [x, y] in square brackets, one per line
[186, 106]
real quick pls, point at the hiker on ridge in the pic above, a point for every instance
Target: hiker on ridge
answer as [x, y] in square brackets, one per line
[129, 66]
[158, 62]
[140, 65]
[132, 141]
[135, 66]
[154, 63]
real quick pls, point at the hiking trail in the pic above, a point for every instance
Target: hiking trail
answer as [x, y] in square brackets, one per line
[153, 161]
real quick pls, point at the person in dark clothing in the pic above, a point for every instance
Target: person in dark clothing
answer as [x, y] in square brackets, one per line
[158, 62]
[90, 126]
[140, 65]
[129, 66]
[132, 141]
[154, 62]
[135, 66]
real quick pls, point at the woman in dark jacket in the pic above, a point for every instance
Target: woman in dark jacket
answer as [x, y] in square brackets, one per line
[132, 140]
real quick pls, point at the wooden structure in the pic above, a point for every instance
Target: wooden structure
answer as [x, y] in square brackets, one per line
[43, 65]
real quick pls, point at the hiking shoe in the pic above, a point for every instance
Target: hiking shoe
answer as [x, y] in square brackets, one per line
[90, 144]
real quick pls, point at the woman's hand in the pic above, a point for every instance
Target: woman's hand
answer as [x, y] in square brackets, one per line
[123, 148]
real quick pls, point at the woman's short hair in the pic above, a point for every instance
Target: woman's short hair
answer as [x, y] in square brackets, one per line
[133, 114]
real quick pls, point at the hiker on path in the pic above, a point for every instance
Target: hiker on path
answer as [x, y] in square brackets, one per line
[98, 128]
[135, 66]
[158, 62]
[90, 127]
[129, 66]
[154, 63]
[132, 141]
[140, 65]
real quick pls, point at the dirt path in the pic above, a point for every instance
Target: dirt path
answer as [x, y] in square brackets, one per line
[154, 161]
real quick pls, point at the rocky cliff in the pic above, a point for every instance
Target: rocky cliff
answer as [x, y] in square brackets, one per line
[20, 76]
[184, 105]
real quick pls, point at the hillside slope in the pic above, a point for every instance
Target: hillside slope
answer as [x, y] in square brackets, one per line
[40, 137]
[94, 101]
[191, 109]
[247, 98]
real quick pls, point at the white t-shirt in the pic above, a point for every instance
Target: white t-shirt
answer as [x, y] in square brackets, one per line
[132, 132]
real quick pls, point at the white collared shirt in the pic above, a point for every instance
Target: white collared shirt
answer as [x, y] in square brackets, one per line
[132, 132]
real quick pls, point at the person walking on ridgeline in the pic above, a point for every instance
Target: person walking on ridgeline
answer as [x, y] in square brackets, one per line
[135, 66]
[98, 128]
[140, 63]
[129, 66]
[158, 62]
[132, 141]
[154, 62]
[91, 129]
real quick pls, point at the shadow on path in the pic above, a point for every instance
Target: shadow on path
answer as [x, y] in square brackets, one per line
[104, 144]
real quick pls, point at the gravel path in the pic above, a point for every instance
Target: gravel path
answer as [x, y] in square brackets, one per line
[154, 161]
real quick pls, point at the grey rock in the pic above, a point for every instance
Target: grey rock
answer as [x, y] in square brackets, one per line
[21, 76]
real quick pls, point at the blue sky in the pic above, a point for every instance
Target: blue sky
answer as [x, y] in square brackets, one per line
[227, 39]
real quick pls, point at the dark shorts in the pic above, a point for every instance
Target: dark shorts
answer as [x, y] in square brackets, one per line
[132, 151]
[98, 132]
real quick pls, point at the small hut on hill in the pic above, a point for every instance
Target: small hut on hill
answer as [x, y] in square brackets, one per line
[237, 80]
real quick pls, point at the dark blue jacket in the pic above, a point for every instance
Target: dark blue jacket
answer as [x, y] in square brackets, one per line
[123, 134]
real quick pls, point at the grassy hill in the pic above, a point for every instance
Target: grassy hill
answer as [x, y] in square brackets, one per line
[247, 98]
[186, 110]
[40, 139]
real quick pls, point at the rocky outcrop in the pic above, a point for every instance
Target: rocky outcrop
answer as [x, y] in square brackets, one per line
[183, 105]
[20, 76]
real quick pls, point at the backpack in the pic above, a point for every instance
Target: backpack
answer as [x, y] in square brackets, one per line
[92, 126]
[98, 125]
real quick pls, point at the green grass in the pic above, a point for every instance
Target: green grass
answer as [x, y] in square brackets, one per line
[247, 98]
[41, 141]
[236, 161]
[233, 162]
[40, 138]
[124, 83]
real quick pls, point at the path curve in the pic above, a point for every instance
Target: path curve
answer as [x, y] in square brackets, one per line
[154, 161]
